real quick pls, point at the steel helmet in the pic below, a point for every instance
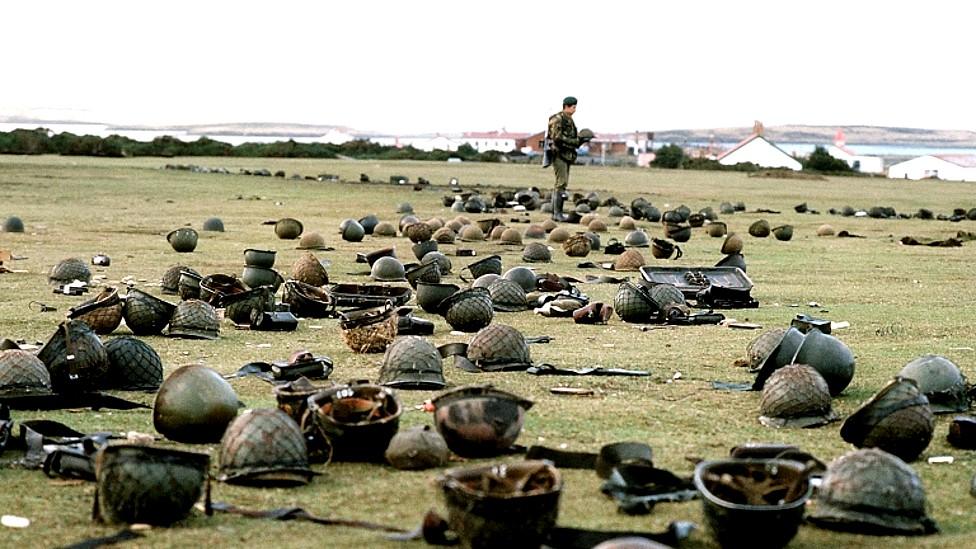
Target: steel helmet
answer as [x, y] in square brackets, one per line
[288, 228]
[490, 264]
[412, 362]
[825, 230]
[763, 346]
[616, 211]
[627, 223]
[795, 396]
[13, 224]
[577, 245]
[102, 312]
[870, 491]
[732, 244]
[897, 419]
[75, 357]
[726, 208]
[418, 447]
[195, 404]
[194, 319]
[597, 226]
[444, 235]
[183, 240]
[759, 228]
[388, 269]
[352, 231]
[633, 304]
[783, 232]
[145, 314]
[486, 280]
[69, 270]
[243, 307]
[384, 228]
[423, 272]
[431, 295]
[524, 276]
[479, 420]
[507, 296]
[829, 356]
[133, 365]
[308, 301]
[310, 270]
[535, 232]
[537, 252]
[558, 235]
[213, 224]
[264, 447]
[369, 222]
[496, 233]
[312, 241]
[170, 282]
[418, 232]
[630, 260]
[941, 381]
[22, 373]
[468, 310]
[498, 348]
[471, 233]
[420, 249]
[404, 208]
[443, 262]
[511, 235]
[637, 238]
[359, 419]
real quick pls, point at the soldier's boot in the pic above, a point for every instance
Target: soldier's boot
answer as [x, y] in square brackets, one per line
[557, 205]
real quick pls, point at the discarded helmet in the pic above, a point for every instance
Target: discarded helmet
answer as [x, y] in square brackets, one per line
[75, 357]
[594, 240]
[418, 232]
[444, 235]
[419, 447]
[103, 312]
[507, 296]
[241, 308]
[524, 276]
[312, 241]
[369, 222]
[637, 238]
[558, 235]
[632, 303]
[188, 286]
[870, 491]
[13, 224]
[369, 330]
[795, 396]
[829, 356]
[825, 230]
[194, 319]
[468, 310]
[388, 269]
[412, 362]
[783, 232]
[666, 298]
[499, 348]
[717, 229]
[664, 249]
[310, 270]
[352, 231]
[782, 354]
[69, 270]
[307, 301]
[630, 260]
[359, 420]
[535, 232]
[475, 204]
[537, 252]
[627, 223]
[488, 265]
[420, 249]
[423, 272]
[133, 365]
[213, 224]
[264, 447]
[140, 484]
[763, 346]
[216, 287]
[577, 245]
[897, 419]
[471, 233]
[183, 240]
[940, 380]
[430, 295]
[486, 280]
[696, 220]
[384, 228]
[511, 235]
[732, 244]
[479, 420]
[195, 405]
[170, 282]
[733, 260]
[678, 233]
[288, 228]
[22, 373]
[443, 262]
[145, 314]
[759, 228]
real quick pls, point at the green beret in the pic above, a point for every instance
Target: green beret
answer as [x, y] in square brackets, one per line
[569, 101]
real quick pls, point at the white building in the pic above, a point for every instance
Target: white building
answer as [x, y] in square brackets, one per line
[760, 151]
[949, 167]
[857, 162]
[500, 141]
[420, 142]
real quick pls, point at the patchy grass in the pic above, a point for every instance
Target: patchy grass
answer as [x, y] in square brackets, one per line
[900, 301]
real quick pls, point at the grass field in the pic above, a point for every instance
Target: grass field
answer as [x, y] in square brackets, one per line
[900, 301]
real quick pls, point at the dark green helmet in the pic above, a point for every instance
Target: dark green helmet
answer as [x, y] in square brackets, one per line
[795, 396]
[213, 224]
[288, 228]
[194, 319]
[239, 308]
[307, 301]
[369, 223]
[22, 373]
[479, 420]
[412, 362]
[468, 310]
[870, 491]
[195, 404]
[633, 304]
[388, 269]
[423, 272]
[69, 270]
[13, 224]
[507, 296]
[759, 228]
[897, 419]
[523, 276]
[829, 356]
[352, 231]
[491, 264]
[264, 447]
[183, 240]
[145, 314]
[499, 348]
[941, 381]
[783, 232]
[75, 357]
[384, 228]
[431, 295]
[133, 365]
[419, 447]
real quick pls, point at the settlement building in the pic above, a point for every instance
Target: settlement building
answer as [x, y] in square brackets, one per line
[950, 167]
[759, 151]
[857, 162]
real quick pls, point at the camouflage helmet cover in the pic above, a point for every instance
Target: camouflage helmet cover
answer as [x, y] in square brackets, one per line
[897, 419]
[133, 364]
[22, 373]
[795, 396]
[499, 348]
[264, 447]
[412, 362]
[194, 319]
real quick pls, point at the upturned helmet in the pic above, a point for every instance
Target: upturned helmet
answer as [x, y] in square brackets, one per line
[264, 447]
[288, 228]
[507, 296]
[75, 357]
[423, 272]
[633, 304]
[388, 269]
[384, 228]
[183, 240]
[170, 282]
[359, 419]
[213, 224]
[759, 228]
[870, 491]
[523, 276]
[479, 420]
[146, 314]
[468, 310]
[511, 235]
[412, 362]
[194, 319]
[443, 262]
[133, 365]
[941, 381]
[637, 238]
[499, 348]
[102, 312]
[310, 270]
[829, 356]
[897, 419]
[69, 270]
[195, 404]
[430, 296]
[630, 260]
[22, 373]
[419, 447]
[352, 231]
[307, 301]
[537, 252]
[241, 308]
[13, 224]
[487, 265]
[795, 396]
[420, 249]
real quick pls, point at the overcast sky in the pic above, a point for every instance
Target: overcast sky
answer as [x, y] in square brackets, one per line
[427, 66]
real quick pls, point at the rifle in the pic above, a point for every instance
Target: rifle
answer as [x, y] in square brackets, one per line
[546, 150]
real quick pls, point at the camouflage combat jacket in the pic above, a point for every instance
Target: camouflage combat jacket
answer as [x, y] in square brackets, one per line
[562, 135]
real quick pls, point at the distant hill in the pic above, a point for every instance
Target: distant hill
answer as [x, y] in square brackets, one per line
[861, 135]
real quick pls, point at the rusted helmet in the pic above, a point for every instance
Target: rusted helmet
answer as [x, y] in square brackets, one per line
[213, 224]
[13, 224]
[102, 312]
[75, 357]
[22, 373]
[412, 362]
[577, 245]
[869, 491]
[795, 396]
[468, 310]
[637, 238]
[471, 233]
[897, 419]
[829, 356]
[195, 404]
[498, 348]
[630, 260]
[147, 484]
[418, 447]
[759, 228]
[507, 296]
[559, 235]
[534, 232]
[170, 282]
[194, 319]
[132, 365]
[384, 228]
[510, 235]
[69, 270]
[633, 303]
[264, 447]
[941, 381]
[310, 270]
[312, 241]
[359, 420]
[214, 288]
[146, 314]
[479, 420]
[288, 228]
[307, 301]
[443, 262]
[504, 505]
[183, 240]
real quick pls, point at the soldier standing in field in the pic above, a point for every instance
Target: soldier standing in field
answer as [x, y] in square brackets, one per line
[561, 146]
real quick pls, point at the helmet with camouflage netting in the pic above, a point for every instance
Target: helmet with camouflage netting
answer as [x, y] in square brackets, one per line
[412, 362]
[264, 447]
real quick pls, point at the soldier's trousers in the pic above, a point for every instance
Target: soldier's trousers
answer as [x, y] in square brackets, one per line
[561, 167]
